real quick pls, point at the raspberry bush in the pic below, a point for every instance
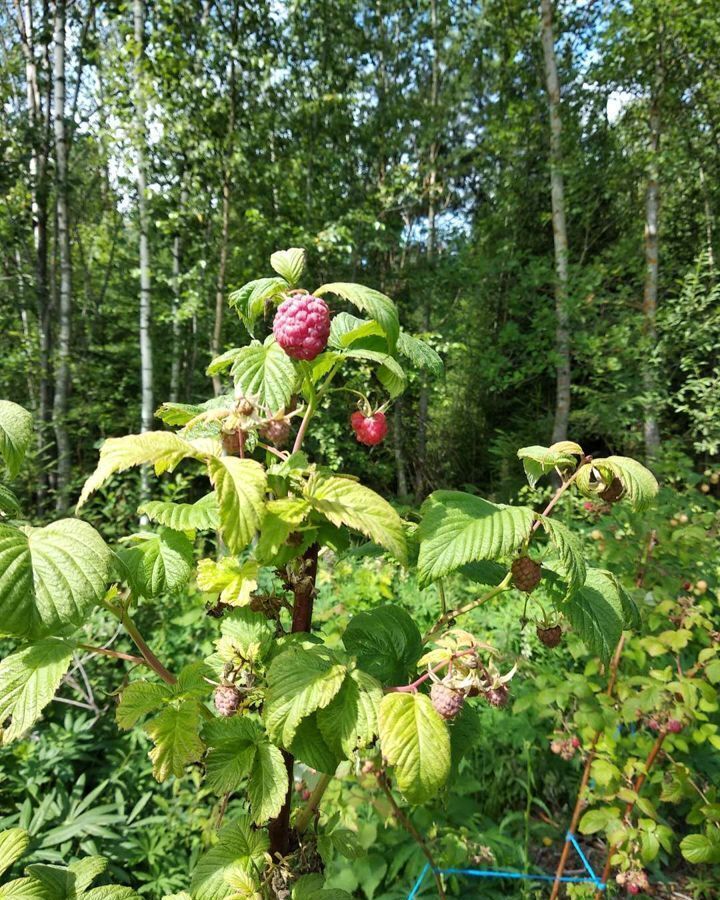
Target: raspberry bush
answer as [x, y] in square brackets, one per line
[274, 696]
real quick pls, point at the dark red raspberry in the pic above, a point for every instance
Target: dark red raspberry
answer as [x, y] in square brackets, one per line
[498, 697]
[447, 702]
[526, 574]
[302, 326]
[576, 743]
[551, 637]
[227, 700]
[675, 726]
[614, 491]
[369, 430]
[276, 432]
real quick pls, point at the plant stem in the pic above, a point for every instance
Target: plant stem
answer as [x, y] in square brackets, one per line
[467, 607]
[313, 402]
[412, 688]
[116, 654]
[149, 657]
[406, 823]
[560, 491]
[307, 812]
[304, 591]
[637, 787]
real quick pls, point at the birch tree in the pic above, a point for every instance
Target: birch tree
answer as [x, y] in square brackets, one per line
[557, 194]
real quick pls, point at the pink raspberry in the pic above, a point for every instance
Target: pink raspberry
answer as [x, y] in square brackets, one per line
[675, 726]
[576, 743]
[227, 699]
[369, 430]
[302, 326]
[447, 702]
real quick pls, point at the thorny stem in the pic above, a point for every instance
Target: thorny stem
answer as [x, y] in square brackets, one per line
[407, 824]
[116, 654]
[452, 614]
[308, 811]
[637, 787]
[612, 678]
[412, 688]
[560, 491]
[149, 657]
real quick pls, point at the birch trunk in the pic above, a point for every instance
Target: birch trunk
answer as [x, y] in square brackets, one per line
[176, 329]
[37, 171]
[62, 368]
[557, 193]
[424, 399]
[650, 293]
[216, 342]
[146, 360]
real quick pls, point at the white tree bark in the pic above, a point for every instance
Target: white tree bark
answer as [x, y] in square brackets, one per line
[146, 358]
[62, 367]
[176, 329]
[650, 293]
[557, 194]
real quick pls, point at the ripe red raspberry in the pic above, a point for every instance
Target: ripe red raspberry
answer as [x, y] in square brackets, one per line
[446, 701]
[302, 326]
[227, 700]
[633, 889]
[276, 432]
[369, 430]
[526, 574]
[551, 637]
[675, 726]
[576, 743]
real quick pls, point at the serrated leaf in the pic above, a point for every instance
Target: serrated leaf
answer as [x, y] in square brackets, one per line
[234, 581]
[16, 427]
[9, 503]
[349, 722]
[299, 682]
[86, 870]
[29, 679]
[238, 846]
[699, 848]
[596, 613]
[386, 642]
[265, 374]
[595, 820]
[268, 783]
[538, 461]
[24, 889]
[394, 379]
[13, 843]
[289, 264]
[51, 576]
[375, 304]
[420, 353]
[346, 329]
[233, 744]
[640, 485]
[158, 564]
[458, 528]
[110, 892]
[176, 735]
[139, 699]
[346, 502]
[162, 449]
[569, 550]
[310, 747]
[202, 515]
[249, 300]
[415, 740]
[240, 486]
[245, 635]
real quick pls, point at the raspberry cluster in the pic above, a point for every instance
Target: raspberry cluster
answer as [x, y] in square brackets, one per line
[565, 747]
[302, 326]
[634, 880]
[526, 574]
[369, 430]
[227, 700]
